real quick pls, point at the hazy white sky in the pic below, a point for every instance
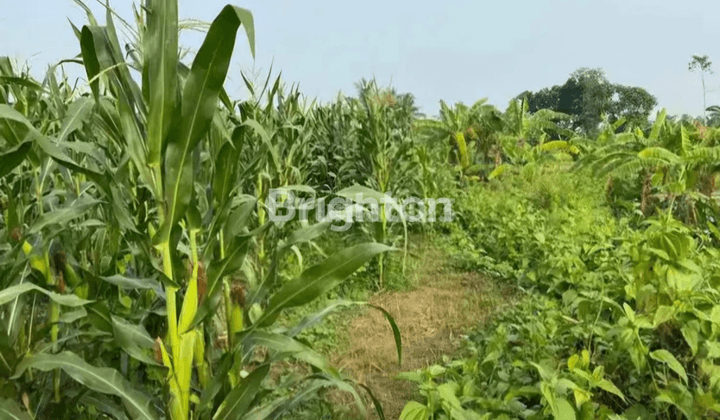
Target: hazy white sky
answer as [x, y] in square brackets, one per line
[454, 50]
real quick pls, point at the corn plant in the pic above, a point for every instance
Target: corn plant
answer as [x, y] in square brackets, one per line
[129, 197]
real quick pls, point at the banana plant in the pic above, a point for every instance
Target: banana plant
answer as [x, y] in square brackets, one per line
[526, 136]
[671, 156]
[470, 131]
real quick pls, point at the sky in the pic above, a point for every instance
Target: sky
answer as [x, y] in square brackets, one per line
[457, 51]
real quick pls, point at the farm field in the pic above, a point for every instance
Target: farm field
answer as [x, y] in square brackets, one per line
[168, 251]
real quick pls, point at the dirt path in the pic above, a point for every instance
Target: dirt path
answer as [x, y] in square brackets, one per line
[443, 305]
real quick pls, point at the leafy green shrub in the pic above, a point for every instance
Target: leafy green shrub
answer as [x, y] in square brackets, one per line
[619, 323]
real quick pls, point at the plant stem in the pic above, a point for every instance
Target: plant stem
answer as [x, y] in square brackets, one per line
[54, 307]
[157, 175]
[227, 298]
[261, 221]
[381, 257]
[171, 304]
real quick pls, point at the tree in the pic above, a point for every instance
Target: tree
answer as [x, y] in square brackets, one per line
[587, 96]
[596, 96]
[702, 65]
[634, 104]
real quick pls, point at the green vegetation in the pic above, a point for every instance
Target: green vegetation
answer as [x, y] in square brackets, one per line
[143, 276]
[620, 319]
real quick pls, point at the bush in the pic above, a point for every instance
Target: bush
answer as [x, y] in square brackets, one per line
[618, 322]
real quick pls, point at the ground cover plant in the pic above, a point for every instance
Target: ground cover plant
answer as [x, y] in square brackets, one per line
[619, 319]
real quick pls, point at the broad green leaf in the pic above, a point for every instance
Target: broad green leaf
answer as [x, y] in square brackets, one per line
[692, 335]
[127, 85]
[447, 395]
[98, 59]
[105, 404]
[70, 317]
[9, 410]
[103, 380]
[545, 373]
[93, 47]
[10, 293]
[684, 141]
[275, 409]
[563, 410]
[57, 152]
[663, 314]
[240, 218]
[320, 279]
[134, 339]
[63, 215]
[199, 104]
[610, 387]
[284, 346]
[161, 49]
[21, 81]
[415, 376]
[12, 158]
[498, 171]
[224, 176]
[77, 113]
[306, 234]
[415, 411]
[8, 113]
[131, 283]
[657, 125]
[629, 312]
[238, 400]
[17, 129]
[667, 358]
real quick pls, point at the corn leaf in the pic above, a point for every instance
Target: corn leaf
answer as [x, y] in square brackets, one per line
[10, 293]
[134, 339]
[9, 410]
[199, 104]
[12, 158]
[238, 400]
[161, 72]
[103, 380]
[320, 279]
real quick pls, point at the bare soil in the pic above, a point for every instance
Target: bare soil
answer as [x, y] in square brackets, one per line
[443, 305]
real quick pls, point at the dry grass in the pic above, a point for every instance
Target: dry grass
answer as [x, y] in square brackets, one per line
[443, 305]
